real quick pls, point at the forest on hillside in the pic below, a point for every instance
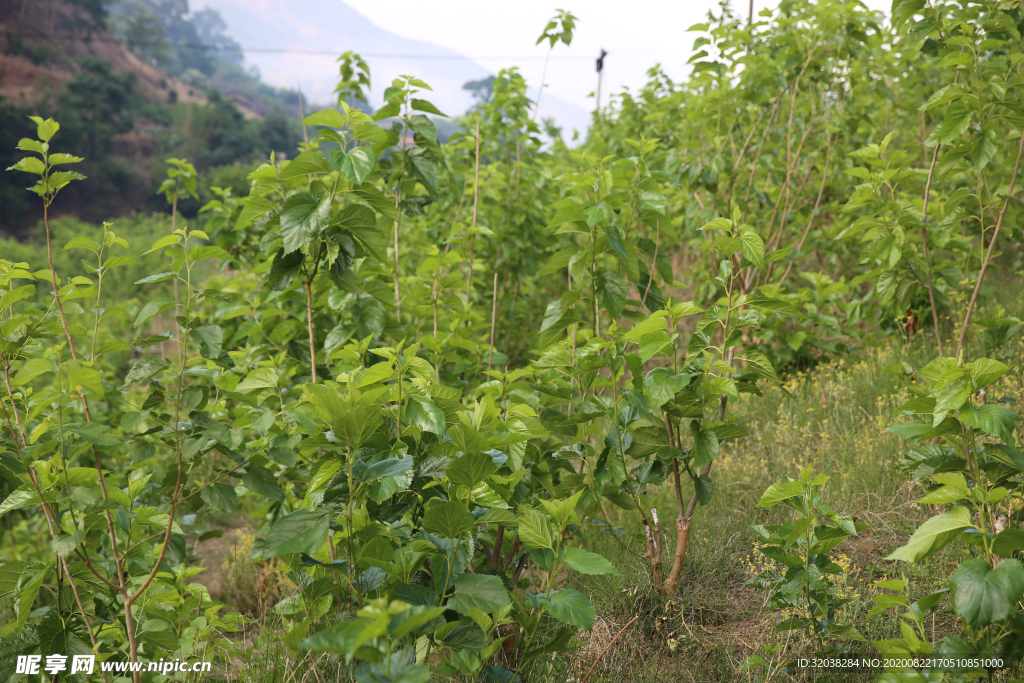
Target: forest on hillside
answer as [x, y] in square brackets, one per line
[729, 391]
[133, 83]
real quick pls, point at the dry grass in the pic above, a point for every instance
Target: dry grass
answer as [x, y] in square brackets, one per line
[834, 421]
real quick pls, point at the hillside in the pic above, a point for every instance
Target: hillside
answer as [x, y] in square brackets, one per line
[40, 44]
[124, 113]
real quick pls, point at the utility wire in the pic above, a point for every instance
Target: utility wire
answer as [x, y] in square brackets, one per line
[284, 50]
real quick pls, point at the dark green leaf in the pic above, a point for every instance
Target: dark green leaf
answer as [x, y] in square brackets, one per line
[612, 292]
[486, 593]
[449, 519]
[982, 595]
[303, 217]
[470, 469]
[587, 562]
[572, 607]
[303, 531]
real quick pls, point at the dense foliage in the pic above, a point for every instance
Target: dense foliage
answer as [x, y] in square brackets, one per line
[431, 370]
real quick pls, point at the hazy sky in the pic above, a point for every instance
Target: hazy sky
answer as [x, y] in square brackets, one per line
[637, 34]
[296, 42]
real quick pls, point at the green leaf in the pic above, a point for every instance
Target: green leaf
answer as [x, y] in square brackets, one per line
[328, 118]
[718, 224]
[65, 544]
[750, 663]
[424, 415]
[449, 518]
[499, 516]
[10, 575]
[220, 496]
[943, 496]
[536, 530]
[33, 367]
[752, 247]
[1007, 541]
[29, 165]
[80, 375]
[612, 292]
[470, 469]
[254, 209]
[22, 496]
[424, 106]
[484, 592]
[302, 531]
[153, 308]
[759, 363]
[45, 129]
[304, 164]
[144, 368]
[361, 222]
[29, 589]
[159, 277]
[211, 339]
[933, 535]
[370, 132]
[571, 607]
[662, 385]
[985, 371]
[424, 126]
[776, 493]
[199, 253]
[992, 419]
[30, 145]
[354, 165]
[943, 95]
[369, 193]
[705, 448]
[982, 595]
[767, 303]
[346, 637]
[704, 488]
[955, 122]
[424, 167]
[17, 294]
[391, 467]
[587, 562]
[81, 243]
[656, 321]
[260, 378]
[950, 397]
[303, 217]
[848, 632]
[408, 621]
[93, 432]
[260, 481]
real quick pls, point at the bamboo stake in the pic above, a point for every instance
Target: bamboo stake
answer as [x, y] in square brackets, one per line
[476, 198]
[494, 317]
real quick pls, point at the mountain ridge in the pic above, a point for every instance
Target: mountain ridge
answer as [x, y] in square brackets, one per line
[310, 47]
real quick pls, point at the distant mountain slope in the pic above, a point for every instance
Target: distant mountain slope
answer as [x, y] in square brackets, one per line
[331, 27]
[39, 43]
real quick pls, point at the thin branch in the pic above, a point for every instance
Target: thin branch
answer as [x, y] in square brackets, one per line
[988, 254]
